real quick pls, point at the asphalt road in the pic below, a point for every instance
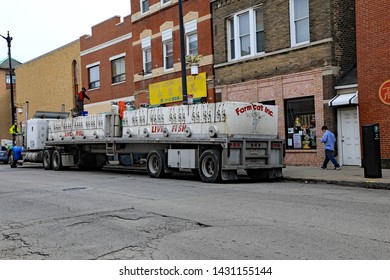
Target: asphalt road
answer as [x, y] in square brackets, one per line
[61, 215]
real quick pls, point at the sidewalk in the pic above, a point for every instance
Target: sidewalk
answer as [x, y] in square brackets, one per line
[347, 176]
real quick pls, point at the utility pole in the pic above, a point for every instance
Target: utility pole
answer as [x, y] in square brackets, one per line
[9, 39]
[183, 55]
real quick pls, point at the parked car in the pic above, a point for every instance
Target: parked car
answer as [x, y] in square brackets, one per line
[4, 155]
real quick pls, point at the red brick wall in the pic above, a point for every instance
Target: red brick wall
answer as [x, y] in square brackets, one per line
[153, 21]
[373, 56]
[103, 33]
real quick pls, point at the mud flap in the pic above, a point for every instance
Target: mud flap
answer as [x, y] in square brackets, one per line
[229, 175]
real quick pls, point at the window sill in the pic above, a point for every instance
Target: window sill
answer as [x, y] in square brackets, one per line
[118, 83]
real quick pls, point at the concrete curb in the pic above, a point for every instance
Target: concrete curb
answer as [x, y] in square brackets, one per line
[360, 184]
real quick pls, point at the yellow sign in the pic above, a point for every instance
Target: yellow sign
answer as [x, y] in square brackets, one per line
[170, 91]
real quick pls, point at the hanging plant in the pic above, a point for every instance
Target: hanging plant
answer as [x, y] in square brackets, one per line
[193, 59]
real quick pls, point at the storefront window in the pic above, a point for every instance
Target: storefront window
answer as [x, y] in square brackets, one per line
[300, 123]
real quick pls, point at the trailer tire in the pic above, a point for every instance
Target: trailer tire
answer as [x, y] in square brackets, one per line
[155, 164]
[210, 166]
[12, 161]
[56, 160]
[47, 159]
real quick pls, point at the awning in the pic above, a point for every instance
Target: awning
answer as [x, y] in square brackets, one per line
[344, 100]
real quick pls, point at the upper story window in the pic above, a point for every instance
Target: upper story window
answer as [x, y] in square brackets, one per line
[168, 55]
[144, 6]
[118, 69]
[8, 80]
[299, 22]
[147, 60]
[166, 38]
[191, 30]
[163, 2]
[192, 43]
[146, 55]
[93, 76]
[245, 34]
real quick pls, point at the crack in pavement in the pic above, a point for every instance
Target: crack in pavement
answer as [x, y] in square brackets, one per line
[119, 234]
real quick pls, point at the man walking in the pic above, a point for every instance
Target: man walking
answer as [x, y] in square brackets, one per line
[329, 140]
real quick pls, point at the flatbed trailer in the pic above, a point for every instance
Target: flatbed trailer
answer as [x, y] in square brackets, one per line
[212, 140]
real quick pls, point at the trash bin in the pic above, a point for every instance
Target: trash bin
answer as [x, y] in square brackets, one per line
[371, 151]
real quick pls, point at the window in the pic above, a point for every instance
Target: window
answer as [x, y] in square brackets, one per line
[299, 14]
[165, 2]
[168, 55]
[300, 123]
[93, 77]
[260, 38]
[245, 34]
[146, 44]
[191, 31]
[118, 70]
[147, 61]
[144, 6]
[8, 80]
[192, 43]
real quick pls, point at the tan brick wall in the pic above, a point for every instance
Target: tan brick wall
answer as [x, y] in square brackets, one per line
[47, 82]
[5, 107]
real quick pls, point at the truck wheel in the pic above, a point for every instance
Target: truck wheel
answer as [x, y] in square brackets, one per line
[155, 164]
[210, 166]
[56, 160]
[47, 159]
[12, 161]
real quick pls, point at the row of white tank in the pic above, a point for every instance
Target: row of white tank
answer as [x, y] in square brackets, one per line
[199, 120]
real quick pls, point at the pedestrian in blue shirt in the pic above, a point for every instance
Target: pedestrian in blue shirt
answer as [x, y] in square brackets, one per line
[329, 140]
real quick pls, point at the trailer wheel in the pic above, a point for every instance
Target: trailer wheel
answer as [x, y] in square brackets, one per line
[56, 160]
[12, 161]
[47, 159]
[155, 164]
[210, 166]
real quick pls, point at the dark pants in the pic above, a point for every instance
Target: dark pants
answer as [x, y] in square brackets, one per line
[79, 107]
[329, 156]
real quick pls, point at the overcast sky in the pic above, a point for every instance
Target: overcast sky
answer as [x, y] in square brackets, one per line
[40, 26]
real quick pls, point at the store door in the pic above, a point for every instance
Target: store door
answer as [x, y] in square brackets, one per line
[350, 136]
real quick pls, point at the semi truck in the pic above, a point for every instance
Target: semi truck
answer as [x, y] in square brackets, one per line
[213, 140]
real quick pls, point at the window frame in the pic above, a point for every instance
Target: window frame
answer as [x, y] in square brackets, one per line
[147, 65]
[8, 79]
[93, 84]
[296, 134]
[120, 76]
[142, 6]
[164, 2]
[190, 50]
[293, 22]
[234, 35]
[166, 44]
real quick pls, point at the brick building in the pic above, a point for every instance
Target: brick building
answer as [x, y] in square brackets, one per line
[373, 53]
[289, 53]
[157, 50]
[107, 64]
[5, 96]
[48, 82]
